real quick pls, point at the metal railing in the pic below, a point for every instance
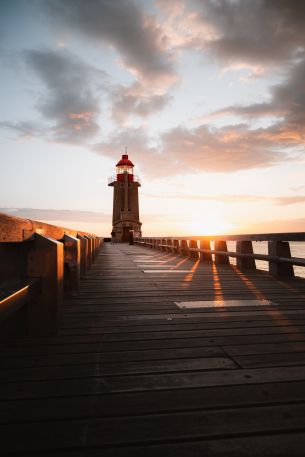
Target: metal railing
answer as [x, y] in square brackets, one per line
[113, 179]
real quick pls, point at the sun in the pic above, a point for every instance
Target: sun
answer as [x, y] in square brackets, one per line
[211, 224]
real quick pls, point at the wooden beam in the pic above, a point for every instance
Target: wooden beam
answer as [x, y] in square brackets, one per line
[72, 264]
[221, 245]
[184, 248]
[205, 256]
[245, 263]
[45, 261]
[280, 249]
[16, 229]
[193, 245]
[83, 254]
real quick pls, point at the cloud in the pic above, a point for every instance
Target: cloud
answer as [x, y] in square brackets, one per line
[238, 198]
[58, 215]
[24, 129]
[70, 102]
[287, 103]
[282, 226]
[136, 100]
[123, 25]
[141, 151]
[203, 149]
[254, 32]
[225, 149]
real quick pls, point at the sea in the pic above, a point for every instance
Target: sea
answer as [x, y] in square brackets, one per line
[261, 247]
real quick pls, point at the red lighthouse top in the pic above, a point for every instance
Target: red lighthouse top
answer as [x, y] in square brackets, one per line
[125, 161]
[124, 172]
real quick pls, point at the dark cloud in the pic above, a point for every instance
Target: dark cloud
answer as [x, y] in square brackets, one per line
[136, 100]
[70, 99]
[253, 31]
[287, 103]
[58, 215]
[69, 105]
[121, 24]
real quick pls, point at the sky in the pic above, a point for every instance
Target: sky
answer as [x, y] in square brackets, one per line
[207, 95]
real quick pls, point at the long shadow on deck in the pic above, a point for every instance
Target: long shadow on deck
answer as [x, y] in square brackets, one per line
[131, 373]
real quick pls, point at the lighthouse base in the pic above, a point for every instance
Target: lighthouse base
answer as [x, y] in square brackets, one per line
[124, 231]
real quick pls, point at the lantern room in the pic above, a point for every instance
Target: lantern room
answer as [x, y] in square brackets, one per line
[124, 167]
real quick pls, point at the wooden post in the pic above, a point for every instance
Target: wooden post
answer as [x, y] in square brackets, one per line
[219, 258]
[83, 254]
[205, 256]
[193, 254]
[45, 260]
[176, 247]
[184, 249]
[245, 263]
[72, 264]
[169, 243]
[280, 249]
[89, 252]
[163, 248]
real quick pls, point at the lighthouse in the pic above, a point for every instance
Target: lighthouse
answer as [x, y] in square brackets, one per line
[125, 216]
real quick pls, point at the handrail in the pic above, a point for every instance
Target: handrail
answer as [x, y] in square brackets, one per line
[289, 236]
[14, 229]
[14, 298]
[279, 255]
[58, 256]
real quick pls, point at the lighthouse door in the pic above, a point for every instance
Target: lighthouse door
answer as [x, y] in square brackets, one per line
[126, 234]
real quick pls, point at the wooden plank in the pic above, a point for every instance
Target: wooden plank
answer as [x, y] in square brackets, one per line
[130, 374]
[145, 383]
[273, 445]
[135, 403]
[153, 429]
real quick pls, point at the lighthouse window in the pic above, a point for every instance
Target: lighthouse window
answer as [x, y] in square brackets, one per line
[122, 184]
[129, 185]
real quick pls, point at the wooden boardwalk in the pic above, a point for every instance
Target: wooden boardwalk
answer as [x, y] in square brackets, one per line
[133, 374]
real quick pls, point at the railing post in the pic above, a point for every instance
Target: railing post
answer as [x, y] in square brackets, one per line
[176, 247]
[45, 260]
[221, 259]
[163, 248]
[280, 249]
[245, 263]
[83, 254]
[169, 243]
[193, 254]
[184, 249]
[205, 256]
[72, 264]
[89, 252]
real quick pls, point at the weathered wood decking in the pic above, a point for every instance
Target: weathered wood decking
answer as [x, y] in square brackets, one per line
[131, 374]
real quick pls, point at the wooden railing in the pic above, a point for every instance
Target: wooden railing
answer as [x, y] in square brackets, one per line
[39, 264]
[279, 253]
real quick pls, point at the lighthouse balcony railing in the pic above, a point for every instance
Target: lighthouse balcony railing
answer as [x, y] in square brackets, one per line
[114, 178]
